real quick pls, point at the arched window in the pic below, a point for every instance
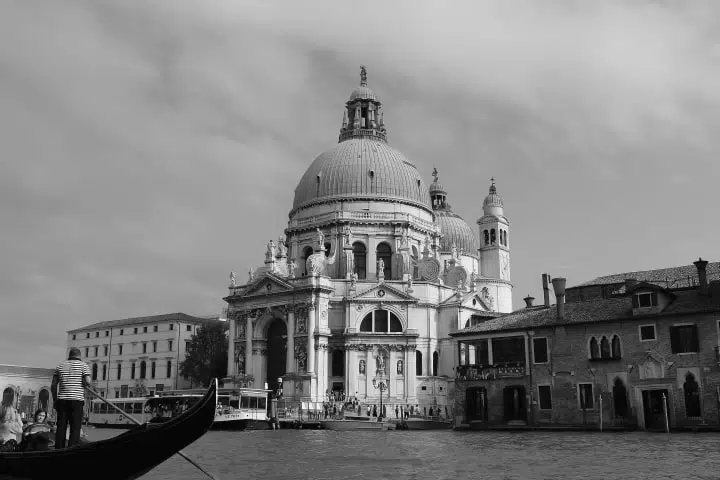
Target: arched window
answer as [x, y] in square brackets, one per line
[384, 253]
[616, 353]
[487, 237]
[605, 348]
[594, 348]
[418, 363]
[44, 398]
[492, 236]
[307, 251]
[692, 397]
[436, 363]
[8, 397]
[381, 321]
[143, 369]
[94, 371]
[152, 370]
[338, 363]
[620, 399]
[359, 259]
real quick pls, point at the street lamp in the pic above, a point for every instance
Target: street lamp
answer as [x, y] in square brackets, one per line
[382, 386]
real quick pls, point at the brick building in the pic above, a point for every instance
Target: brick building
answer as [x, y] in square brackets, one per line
[619, 347]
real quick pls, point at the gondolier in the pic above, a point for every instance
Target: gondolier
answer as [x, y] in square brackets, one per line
[68, 389]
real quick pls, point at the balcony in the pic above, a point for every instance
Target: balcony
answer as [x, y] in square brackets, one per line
[489, 372]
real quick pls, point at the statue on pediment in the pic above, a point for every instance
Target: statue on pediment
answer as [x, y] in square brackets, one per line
[380, 268]
[251, 275]
[271, 250]
[487, 298]
[320, 238]
[281, 248]
[232, 279]
[291, 268]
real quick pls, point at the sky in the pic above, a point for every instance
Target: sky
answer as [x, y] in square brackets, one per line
[150, 148]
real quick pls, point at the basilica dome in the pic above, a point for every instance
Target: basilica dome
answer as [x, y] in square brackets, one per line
[361, 168]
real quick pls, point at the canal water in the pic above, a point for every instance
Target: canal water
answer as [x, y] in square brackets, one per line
[431, 455]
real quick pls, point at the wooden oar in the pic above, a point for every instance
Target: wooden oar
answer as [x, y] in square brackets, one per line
[179, 452]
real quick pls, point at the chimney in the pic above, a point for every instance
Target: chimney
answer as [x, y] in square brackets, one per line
[629, 283]
[546, 289]
[529, 301]
[559, 287]
[702, 275]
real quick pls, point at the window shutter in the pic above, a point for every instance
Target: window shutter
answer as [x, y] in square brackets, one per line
[674, 340]
[695, 340]
[635, 301]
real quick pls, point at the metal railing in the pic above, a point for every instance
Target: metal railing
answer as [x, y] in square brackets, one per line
[489, 372]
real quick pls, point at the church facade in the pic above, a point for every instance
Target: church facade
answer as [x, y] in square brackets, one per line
[372, 274]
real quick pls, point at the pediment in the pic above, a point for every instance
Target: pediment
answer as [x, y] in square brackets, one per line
[383, 293]
[266, 285]
[471, 300]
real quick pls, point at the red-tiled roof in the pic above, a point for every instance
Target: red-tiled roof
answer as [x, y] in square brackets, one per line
[597, 310]
[672, 277]
[167, 317]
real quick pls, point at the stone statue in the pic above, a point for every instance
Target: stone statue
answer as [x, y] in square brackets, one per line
[454, 254]
[240, 329]
[363, 75]
[271, 251]
[232, 279]
[380, 363]
[282, 248]
[362, 367]
[251, 275]
[405, 242]
[400, 367]
[301, 356]
[380, 268]
[487, 298]
[301, 324]
[240, 361]
[435, 174]
[321, 238]
[291, 268]
[353, 280]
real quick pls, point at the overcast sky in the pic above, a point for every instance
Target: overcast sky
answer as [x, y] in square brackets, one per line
[149, 148]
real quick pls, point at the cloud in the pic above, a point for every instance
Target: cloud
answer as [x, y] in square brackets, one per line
[150, 148]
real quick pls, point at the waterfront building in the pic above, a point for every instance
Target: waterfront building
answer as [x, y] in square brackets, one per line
[137, 356]
[26, 388]
[373, 272]
[622, 347]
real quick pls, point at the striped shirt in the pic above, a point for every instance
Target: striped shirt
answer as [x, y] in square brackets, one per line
[70, 375]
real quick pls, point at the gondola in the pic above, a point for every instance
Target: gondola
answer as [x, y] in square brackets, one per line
[127, 456]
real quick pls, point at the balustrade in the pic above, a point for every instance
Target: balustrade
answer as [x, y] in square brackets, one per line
[489, 372]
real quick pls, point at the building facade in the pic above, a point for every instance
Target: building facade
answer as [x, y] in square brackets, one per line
[26, 388]
[373, 272]
[137, 356]
[630, 349]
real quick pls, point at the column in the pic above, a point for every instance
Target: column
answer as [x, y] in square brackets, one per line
[368, 368]
[491, 361]
[371, 258]
[248, 345]
[392, 372]
[231, 346]
[411, 373]
[290, 356]
[311, 338]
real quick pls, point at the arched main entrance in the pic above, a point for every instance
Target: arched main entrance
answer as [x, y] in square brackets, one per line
[276, 352]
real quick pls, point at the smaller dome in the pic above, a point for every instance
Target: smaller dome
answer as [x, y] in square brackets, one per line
[456, 232]
[493, 204]
[362, 92]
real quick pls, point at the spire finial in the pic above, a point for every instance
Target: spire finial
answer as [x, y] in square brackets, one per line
[435, 174]
[363, 76]
[492, 185]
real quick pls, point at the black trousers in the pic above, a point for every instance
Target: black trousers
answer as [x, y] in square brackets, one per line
[69, 415]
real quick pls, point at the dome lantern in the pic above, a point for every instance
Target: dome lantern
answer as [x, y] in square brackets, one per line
[363, 117]
[493, 204]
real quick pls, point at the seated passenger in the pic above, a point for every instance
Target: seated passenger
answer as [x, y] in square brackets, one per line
[37, 435]
[10, 427]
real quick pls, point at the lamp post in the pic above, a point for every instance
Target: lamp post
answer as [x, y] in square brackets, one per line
[382, 386]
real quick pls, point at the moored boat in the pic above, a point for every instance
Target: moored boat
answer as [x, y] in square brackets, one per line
[139, 450]
[419, 423]
[357, 423]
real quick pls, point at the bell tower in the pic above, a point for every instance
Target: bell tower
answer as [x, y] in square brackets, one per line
[495, 249]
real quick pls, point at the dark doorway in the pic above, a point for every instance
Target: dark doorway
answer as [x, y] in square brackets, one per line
[620, 402]
[653, 409]
[476, 404]
[337, 389]
[277, 352]
[514, 404]
[692, 397]
[44, 400]
[8, 397]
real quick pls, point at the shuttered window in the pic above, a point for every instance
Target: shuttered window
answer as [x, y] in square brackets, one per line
[684, 339]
